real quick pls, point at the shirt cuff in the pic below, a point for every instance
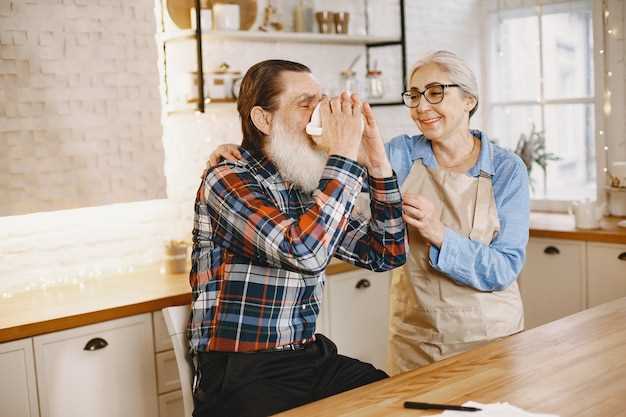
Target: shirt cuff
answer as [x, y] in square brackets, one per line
[443, 259]
[346, 171]
[385, 190]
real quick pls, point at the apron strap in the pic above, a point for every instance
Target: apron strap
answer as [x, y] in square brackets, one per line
[484, 196]
[481, 210]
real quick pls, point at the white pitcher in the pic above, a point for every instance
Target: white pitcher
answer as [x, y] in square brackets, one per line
[587, 214]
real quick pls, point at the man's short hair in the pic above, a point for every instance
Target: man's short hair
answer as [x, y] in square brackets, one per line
[261, 87]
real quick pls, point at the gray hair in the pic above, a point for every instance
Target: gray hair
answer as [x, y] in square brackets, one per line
[460, 73]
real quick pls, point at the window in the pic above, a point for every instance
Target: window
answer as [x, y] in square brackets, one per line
[541, 74]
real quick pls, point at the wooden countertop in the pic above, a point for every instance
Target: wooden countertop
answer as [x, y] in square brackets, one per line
[110, 297]
[562, 226]
[573, 367]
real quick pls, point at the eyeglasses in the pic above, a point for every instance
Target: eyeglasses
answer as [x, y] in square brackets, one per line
[433, 94]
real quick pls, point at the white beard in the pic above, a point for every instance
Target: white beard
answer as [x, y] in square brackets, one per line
[295, 157]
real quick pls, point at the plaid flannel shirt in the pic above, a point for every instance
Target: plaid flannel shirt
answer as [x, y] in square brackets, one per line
[261, 247]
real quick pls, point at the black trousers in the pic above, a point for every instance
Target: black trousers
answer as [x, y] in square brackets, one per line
[265, 383]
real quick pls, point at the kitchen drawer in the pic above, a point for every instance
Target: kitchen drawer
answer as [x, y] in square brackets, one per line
[162, 340]
[167, 372]
[553, 280]
[116, 377]
[171, 405]
[358, 310]
[18, 386]
[606, 272]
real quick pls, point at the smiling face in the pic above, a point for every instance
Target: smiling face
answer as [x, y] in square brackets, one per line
[448, 118]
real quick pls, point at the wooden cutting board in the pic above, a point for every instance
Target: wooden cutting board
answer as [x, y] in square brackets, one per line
[180, 15]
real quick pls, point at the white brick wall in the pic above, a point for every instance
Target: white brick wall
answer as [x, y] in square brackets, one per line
[80, 120]
[80, 112]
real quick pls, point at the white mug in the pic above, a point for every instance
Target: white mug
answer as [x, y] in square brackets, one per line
[226, 16]
[587, 214]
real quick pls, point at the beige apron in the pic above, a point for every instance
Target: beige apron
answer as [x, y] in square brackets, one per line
[431, 316]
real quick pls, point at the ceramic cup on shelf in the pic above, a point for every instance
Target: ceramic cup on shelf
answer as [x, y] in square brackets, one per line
[226, 16]
[342, 20]
[325, 21]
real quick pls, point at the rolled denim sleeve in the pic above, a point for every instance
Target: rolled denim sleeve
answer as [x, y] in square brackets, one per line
[495, 266]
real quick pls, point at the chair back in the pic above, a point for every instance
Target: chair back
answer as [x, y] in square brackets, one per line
[176, 321]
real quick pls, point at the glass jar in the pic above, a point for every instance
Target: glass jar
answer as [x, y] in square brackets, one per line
[349, 82]
[375, 87]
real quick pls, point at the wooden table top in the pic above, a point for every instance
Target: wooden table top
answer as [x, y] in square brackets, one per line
[575, 366]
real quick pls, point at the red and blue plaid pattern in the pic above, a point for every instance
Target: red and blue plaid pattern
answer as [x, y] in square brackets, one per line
[261, 247]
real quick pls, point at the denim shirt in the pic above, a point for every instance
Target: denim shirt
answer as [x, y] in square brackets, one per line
[490, 267]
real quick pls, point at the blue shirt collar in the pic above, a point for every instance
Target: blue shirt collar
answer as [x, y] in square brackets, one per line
[423, 150]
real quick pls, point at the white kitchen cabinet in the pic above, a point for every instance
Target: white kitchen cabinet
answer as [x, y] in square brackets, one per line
[356, 315]
[18, 386]
[171, 404]
[606, 272]
[101, 370]
[553, 280]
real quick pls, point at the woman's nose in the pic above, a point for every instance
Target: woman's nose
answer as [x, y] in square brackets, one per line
[422, 105]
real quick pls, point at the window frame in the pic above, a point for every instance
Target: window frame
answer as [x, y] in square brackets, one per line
[547, 204]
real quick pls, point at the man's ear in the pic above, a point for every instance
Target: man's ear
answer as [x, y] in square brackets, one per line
[262, 119]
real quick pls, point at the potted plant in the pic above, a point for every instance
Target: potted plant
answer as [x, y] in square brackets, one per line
[532, 149]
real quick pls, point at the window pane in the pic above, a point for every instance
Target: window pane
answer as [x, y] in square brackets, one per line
[515, 58]
[569, 135]
[508, 123]
[568, 50]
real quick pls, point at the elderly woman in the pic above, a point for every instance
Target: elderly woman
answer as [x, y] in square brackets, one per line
[466, 204]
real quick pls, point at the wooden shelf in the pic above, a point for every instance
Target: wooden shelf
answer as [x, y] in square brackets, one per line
[258, 36]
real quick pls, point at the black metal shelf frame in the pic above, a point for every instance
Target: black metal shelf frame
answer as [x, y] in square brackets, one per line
[401, 42]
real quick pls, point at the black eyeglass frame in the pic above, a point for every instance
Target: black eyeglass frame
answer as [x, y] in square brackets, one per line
[423, 93]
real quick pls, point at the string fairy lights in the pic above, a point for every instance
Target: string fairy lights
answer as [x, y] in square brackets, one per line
[607, 32]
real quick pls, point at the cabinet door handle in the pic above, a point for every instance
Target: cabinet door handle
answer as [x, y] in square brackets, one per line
[551, 250]
[363, 283]
[622, 256]
[96, 343]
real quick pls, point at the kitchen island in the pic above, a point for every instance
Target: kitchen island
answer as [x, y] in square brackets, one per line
[573, 367]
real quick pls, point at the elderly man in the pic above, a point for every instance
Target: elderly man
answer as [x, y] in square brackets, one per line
[266, 227]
